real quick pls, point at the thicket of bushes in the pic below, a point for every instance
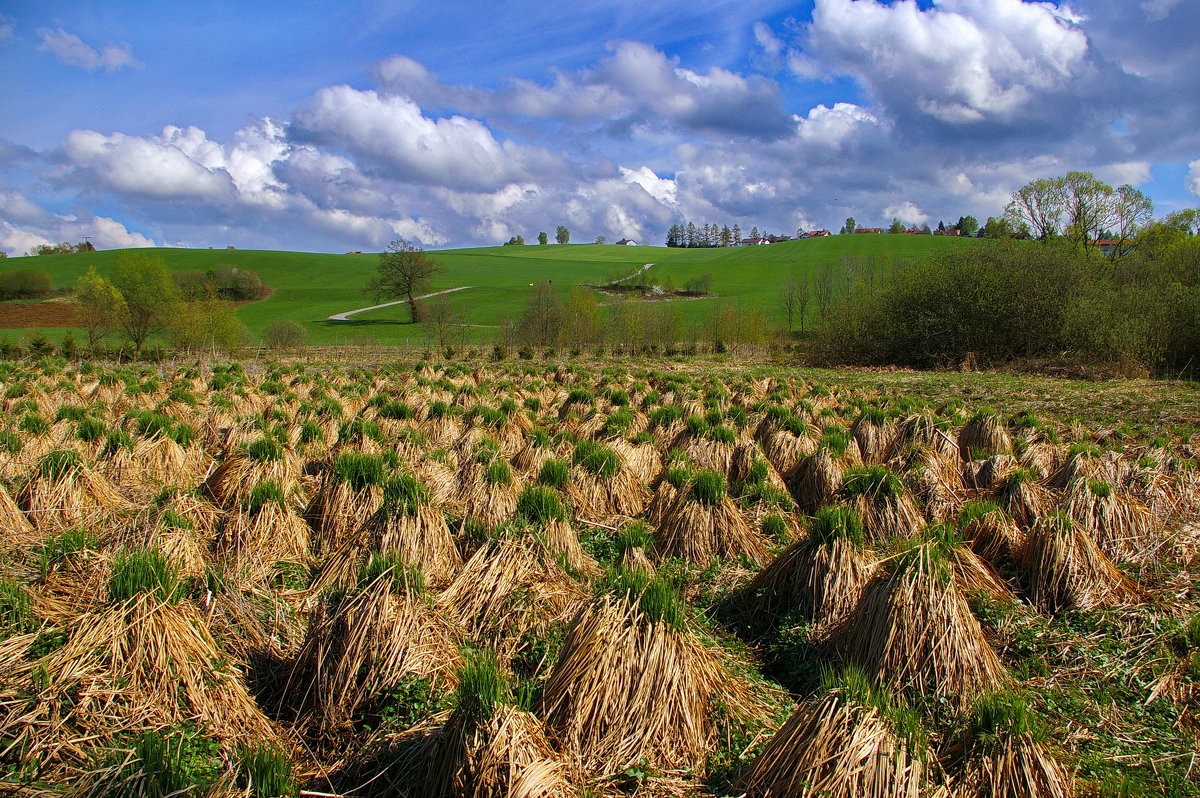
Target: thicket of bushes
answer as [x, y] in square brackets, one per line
[1015, 300]
[223, 282]
[25, 284]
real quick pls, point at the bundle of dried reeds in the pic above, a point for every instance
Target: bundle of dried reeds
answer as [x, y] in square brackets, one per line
[143, 664]
[923, 429]
[1122, 526]
[62, 492]
[983, 436]
[629, 689]
[915, 633]
[1065, 569]
[990, 532]
[1023, 497]
[489, 748]
[820, 578]
[874, 432]
[511, 587]
[881, 500]
[847, 744]
[1003, 755]
[364, 644]
[704, 522]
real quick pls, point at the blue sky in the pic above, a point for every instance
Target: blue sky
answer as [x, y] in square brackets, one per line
[339, 126]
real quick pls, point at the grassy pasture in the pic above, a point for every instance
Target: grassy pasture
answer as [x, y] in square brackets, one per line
[309, 287]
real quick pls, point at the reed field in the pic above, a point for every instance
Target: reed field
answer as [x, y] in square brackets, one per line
[633, 577]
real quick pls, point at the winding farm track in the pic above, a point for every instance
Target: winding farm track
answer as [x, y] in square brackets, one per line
[346, 316]
[631, 276]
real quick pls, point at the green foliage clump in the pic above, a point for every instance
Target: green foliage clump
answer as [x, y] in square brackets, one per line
[268, 491]
[264, 771]
[264, 450]
[708, 488]
[172, 764]
[834, 522]
[58, 464]
[498, 472]
[540, 505]
[360, 470]
[404, 578]
[657, 598]
[482, 688]
[135, 572]
[405, 493]
[597, 459]
[872, 482]
[555, 473]
[16, 610]
[63, 546]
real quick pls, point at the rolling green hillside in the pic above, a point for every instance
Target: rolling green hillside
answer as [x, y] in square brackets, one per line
[309, 287]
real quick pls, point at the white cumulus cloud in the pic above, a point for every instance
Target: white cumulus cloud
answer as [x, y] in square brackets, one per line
[961, 61]
[907, 212]
[1192, 181]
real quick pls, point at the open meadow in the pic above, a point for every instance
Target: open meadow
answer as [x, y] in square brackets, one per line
[624, 577]
[308, 288]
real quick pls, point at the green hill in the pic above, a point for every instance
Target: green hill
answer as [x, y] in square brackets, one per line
[310, 287]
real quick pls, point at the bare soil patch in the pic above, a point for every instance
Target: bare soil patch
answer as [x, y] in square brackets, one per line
[18, 315]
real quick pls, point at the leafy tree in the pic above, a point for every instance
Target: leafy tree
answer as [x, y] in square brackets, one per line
[206, 325]
[404, 272]
[581, 318]
[967, 225]
[998, 228]
[1133, 210]
[1090, 208]
[896, 226]
[101, 305]
[850, 226]
[1039, 205]
[543, 238]
[562, 235]
[151, 296]
[515, 241]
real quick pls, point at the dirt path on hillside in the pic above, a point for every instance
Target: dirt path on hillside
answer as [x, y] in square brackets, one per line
[346, 316]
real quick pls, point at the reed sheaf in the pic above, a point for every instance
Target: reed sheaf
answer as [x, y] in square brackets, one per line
[492, 577]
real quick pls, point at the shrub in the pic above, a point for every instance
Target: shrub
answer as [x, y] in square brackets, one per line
[284, 334]
[25, 284]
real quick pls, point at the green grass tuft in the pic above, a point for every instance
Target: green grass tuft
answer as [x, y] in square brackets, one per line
[540, 505]
[708, 488]
[872, 482]
[264, 771]
[482, 688]
[136, 572]
[597, 459]
[359, 470]
[555, 473]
